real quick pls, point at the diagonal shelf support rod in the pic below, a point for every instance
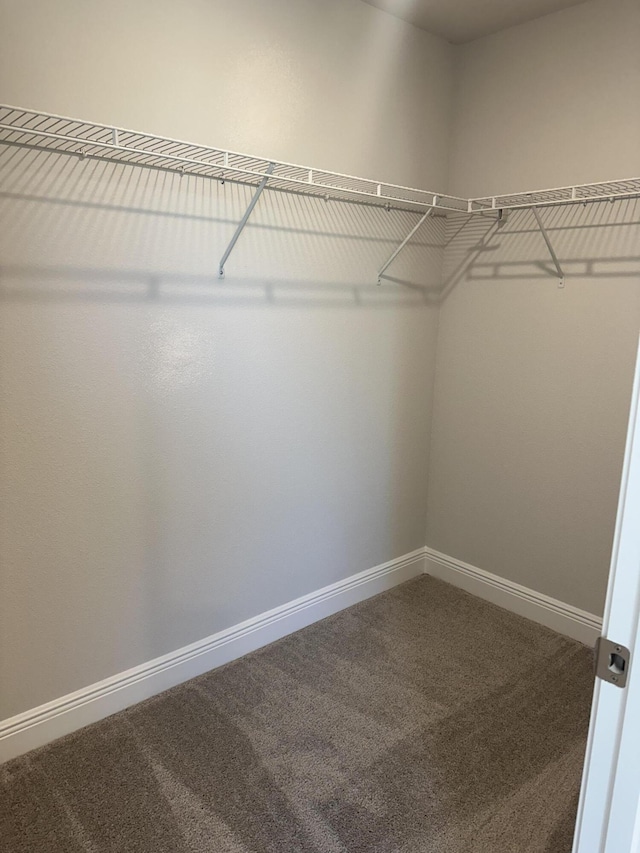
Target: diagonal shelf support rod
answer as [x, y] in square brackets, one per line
[554, 257]
[399, 248]
[245, 219]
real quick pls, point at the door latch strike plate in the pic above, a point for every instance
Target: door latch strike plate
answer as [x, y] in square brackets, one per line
[612, 662]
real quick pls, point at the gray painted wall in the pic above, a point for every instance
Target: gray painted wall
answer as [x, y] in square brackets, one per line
[178, 454]
[550, 103]
[533, 383]
[533, 387]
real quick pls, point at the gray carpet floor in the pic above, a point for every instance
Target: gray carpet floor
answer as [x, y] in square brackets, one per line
[420, 721]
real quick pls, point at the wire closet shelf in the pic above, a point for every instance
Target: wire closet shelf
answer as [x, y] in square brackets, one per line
[59, 134]
[63, 135]
[580, 193]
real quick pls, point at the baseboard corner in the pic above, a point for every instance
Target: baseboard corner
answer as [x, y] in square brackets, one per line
[550, 612]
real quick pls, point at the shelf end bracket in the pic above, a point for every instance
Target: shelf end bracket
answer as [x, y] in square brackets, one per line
[547, 240]
[245, 219]
[399, 248]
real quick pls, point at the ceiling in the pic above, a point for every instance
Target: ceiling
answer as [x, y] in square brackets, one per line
[460, 21]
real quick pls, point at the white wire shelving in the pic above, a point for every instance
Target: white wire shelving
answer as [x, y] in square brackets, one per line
[581, 193]
[75, 137]
[47, 132]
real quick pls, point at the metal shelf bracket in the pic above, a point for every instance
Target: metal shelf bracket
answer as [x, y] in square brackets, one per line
[554, 257]
[399, 248]
[244, 220]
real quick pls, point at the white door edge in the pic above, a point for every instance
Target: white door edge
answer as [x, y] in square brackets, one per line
[608, 819]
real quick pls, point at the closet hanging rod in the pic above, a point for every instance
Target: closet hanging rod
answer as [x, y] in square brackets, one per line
[62, 135]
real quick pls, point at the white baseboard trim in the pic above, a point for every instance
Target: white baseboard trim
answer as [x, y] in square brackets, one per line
[62, 716]
[561, 617]
[45, 723]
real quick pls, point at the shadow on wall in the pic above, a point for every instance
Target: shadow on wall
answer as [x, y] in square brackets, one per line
[599, 240]
[134, 233]
[161, 235]
[180, 453]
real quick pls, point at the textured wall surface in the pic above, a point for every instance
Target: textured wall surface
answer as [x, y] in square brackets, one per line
[179, 454]
[550, 103]
[534, 383]
[532, 397]
[333, 84]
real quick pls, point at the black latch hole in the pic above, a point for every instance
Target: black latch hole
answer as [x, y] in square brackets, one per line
[616, 663]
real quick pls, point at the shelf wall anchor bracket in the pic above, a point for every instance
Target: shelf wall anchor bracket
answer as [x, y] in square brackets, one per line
[397, 251]
[554, 257]
[245, 219]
